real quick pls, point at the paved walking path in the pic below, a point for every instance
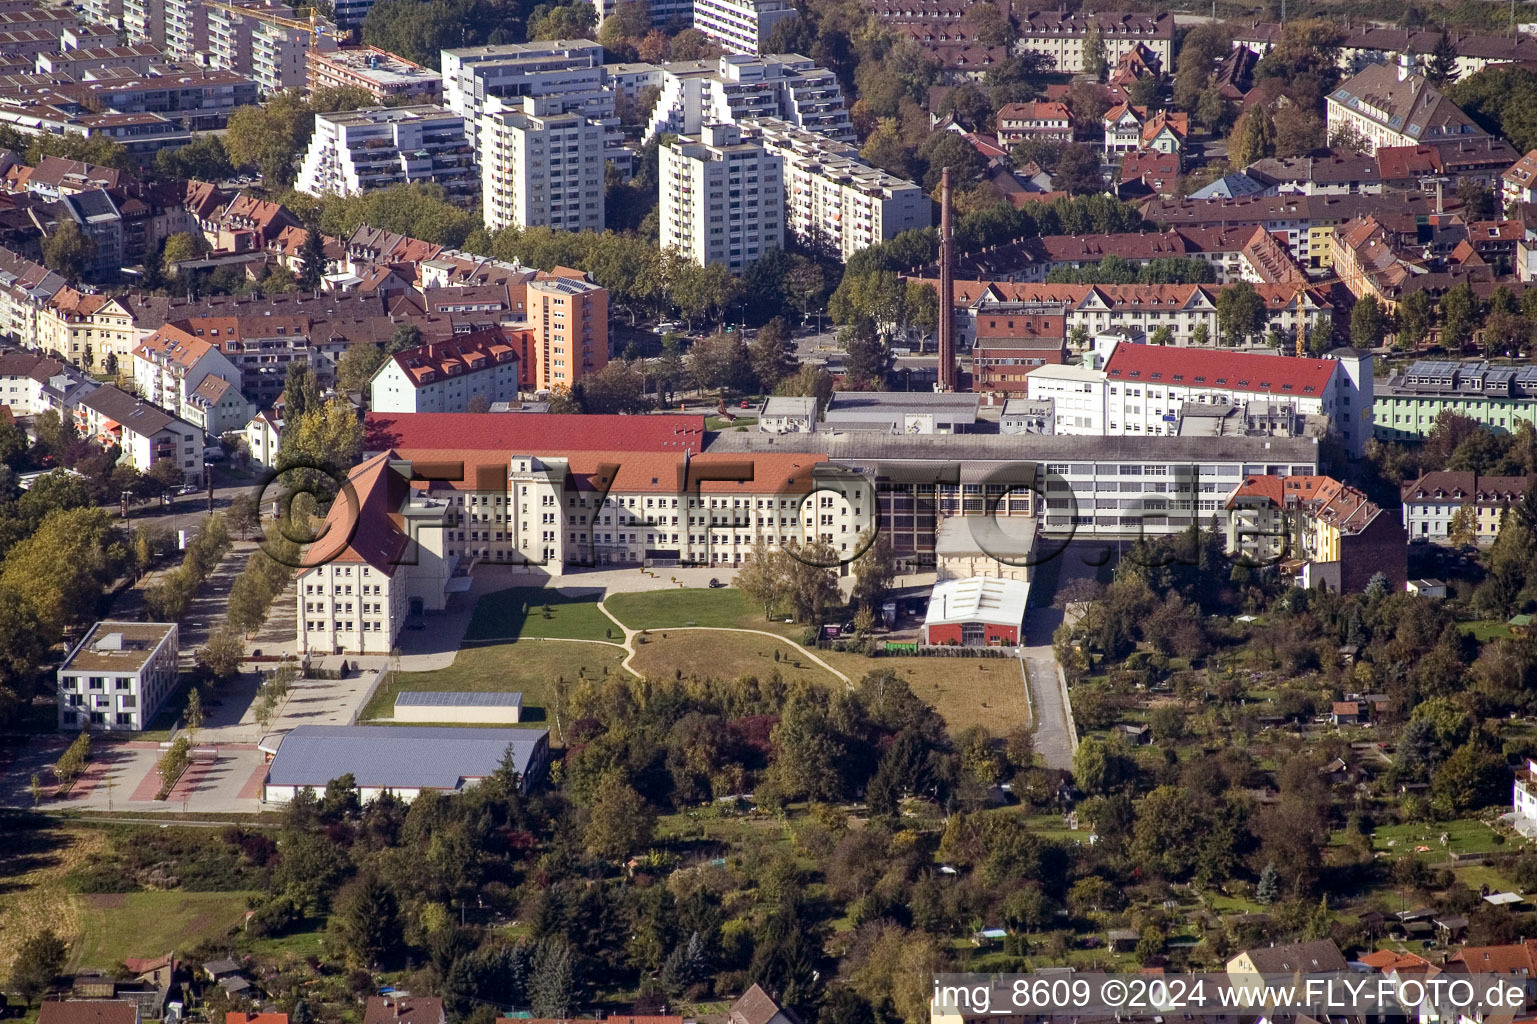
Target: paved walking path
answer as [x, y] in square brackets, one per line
[630, 634]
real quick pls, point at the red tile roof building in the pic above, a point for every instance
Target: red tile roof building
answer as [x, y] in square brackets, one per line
[465, 373]
[1327, 533]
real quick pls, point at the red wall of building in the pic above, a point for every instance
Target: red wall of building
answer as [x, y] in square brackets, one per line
[993, 633]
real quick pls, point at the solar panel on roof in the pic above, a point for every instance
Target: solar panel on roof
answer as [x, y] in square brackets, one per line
[457, 699]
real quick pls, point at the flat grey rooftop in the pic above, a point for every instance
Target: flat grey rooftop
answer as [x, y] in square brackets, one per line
[398, 757]
[863, 449]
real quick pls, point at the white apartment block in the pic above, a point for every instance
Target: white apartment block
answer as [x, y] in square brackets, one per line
[570, 69]
[783, 85]
[741, 26]
[363, 150]
[722, 198]
[116, 678]
[541, 167]
[669, 15]
[186, 27]
[446, 376]
[144, 21]
[1063, 36]
[231, 34]
[833, 195]
[279, 57]
[144, 433]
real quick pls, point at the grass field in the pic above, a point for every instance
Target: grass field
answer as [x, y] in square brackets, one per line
[966, 691]
[1484, 631]
[574, 615]
[112, 927]
[721, 608]
[35, 857]
[1465, 835]
[529, 667]
[707, 653]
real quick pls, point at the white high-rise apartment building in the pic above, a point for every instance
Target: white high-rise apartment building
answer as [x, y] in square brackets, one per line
[783, 85]
[361, 150]
[541, 166]
[186, 27]
[832, 195]
[144, 21]
[273, 55]
[741, 26]
[279, 57]
[722, 198]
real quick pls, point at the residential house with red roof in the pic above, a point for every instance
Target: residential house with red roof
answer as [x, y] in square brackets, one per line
[176, 370]
[1322, 532]
[91, 330]
[465, 373]
[1039, 119]
[1519, 183]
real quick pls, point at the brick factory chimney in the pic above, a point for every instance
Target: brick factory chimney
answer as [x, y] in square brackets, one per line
[947, 375]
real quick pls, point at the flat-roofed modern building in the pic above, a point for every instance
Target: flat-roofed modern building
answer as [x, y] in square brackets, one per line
[459, 707]
[541, 166]
[356, 151]
[831, 195]
[722, 198]
[741, 26]
[116, 678]
[901, 412]
[403, 760]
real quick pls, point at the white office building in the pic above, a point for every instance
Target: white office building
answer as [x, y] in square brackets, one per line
[118, 676]
[541, 166]
[741, 26]
[832, 195]
[362, 150]
[1077, 394]
[725, 91]
[722, 198]
[1144, 390]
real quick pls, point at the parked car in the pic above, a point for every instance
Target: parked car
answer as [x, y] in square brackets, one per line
[715, 583]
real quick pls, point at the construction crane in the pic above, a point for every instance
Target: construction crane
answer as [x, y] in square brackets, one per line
[315, 26]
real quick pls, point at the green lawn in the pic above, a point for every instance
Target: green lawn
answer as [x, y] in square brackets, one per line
[701, 653]
[529, 667]
[1484, 631]
[113, 927]
[1465, 835]
[518, 612]
[723, 607]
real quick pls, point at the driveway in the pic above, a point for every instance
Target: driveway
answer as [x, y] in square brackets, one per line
[1056, 735]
